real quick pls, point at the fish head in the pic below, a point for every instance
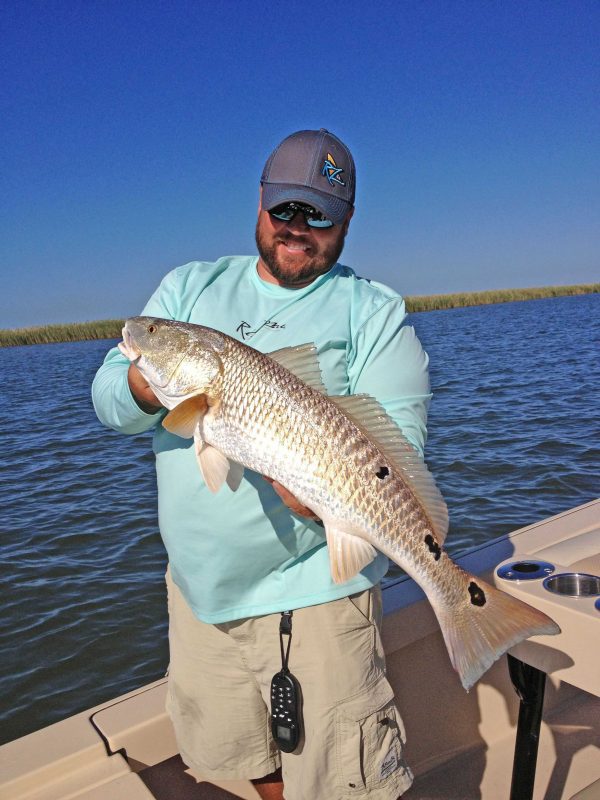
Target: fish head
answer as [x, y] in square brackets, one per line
[177, 359]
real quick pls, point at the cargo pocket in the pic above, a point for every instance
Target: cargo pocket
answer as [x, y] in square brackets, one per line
[369, 745]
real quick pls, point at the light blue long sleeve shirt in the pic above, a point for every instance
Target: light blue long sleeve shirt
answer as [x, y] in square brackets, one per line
[244, 553]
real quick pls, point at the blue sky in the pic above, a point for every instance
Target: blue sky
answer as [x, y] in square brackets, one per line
[133, 136]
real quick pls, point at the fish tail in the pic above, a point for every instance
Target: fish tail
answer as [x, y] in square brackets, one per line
[483, 624]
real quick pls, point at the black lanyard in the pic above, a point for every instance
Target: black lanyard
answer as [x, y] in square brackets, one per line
[285, 629]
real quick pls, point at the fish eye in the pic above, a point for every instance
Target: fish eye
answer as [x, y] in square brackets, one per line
[151, 328]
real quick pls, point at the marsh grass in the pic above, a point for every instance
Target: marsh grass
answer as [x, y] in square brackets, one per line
[111, 328]
[437, 302]
[69, 332]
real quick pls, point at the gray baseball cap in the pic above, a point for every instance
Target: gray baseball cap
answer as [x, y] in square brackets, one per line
[312, 167]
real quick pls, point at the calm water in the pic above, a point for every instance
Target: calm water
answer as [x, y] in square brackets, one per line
[514, 437]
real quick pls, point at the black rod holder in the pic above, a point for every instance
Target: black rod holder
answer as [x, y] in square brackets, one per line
[529, 683]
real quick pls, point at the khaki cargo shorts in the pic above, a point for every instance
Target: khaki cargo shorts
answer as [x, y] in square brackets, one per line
[219, 687]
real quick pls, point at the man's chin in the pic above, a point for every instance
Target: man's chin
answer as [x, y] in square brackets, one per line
[294, 275]
[293, 261]
[292, 269]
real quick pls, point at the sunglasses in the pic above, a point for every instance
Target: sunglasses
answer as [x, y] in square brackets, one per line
[313, 218]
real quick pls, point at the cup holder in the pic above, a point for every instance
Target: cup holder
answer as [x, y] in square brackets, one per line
[529, 570]
[573, 584]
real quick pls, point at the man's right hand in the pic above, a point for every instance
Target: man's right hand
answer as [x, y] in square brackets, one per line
[141, 391]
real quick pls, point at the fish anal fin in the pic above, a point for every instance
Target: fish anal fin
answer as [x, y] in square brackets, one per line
[303, 361]
[348, 554]
[235, 475]
[184, 418]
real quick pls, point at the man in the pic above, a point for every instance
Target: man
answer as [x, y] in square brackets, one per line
[237, 560]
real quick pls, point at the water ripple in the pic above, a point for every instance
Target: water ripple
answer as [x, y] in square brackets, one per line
[513, 438]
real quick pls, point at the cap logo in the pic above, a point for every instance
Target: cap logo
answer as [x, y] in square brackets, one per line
[331, 171]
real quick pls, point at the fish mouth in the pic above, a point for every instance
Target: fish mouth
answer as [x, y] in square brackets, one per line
[128, 346]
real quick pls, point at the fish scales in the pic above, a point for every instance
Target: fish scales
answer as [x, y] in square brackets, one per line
[300, 419]
[341, 457]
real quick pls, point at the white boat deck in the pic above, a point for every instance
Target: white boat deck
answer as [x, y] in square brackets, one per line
[460, 745]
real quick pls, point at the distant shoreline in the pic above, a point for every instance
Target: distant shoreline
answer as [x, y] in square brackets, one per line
[111, 328]
[438, 302]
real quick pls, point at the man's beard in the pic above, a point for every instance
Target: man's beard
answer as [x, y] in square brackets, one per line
[312, 268]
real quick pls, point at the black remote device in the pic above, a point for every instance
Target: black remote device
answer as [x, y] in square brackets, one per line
[286, 716]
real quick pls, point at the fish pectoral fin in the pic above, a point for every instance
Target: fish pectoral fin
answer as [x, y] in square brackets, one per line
[348, 554]
[214, 466]
[184, 418]
[235, 475]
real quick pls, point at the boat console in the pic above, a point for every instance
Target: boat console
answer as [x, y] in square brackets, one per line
[562, 579]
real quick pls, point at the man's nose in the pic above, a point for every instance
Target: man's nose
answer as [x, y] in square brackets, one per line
[298, 223]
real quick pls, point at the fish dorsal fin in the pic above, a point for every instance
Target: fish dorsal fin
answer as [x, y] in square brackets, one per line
[303, 361]
[374, 421]
[348, 554]
[184, 418]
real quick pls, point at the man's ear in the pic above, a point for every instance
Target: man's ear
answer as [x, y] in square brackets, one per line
[260, 198]
[346, 222]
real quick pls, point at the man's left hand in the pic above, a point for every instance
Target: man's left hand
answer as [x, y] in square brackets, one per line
[290, 500]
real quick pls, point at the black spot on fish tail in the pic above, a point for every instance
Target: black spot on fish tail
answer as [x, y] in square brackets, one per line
[478, 597]
[433, 546]
[382, 473]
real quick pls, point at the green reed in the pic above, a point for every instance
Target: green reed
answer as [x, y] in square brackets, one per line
[436, 302]
[69, 332]
[111, 328]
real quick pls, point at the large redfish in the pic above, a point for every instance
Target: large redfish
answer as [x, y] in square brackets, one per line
[342, 457]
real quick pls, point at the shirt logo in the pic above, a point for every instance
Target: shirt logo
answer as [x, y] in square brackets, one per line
[331, 171]
[246, 332]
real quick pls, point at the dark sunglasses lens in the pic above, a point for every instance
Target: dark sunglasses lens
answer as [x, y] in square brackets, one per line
[313, 218]
[284, 213]
[318, 220]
